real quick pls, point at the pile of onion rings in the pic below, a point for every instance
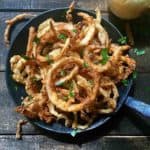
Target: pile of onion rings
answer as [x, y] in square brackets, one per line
[70, 71]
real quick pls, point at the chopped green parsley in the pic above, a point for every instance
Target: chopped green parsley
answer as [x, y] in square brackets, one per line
[105, 56]
[138, 52]
[122, 40]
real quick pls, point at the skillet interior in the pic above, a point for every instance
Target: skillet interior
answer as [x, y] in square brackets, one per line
[18, 46]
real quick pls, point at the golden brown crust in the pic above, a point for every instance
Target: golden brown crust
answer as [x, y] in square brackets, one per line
[13, 21]
[70, 71]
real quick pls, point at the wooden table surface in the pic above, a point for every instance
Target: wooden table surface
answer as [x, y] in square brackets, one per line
[125, 131]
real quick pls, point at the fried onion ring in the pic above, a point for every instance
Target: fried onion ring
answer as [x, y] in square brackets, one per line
[11, 22]
[59, 103]
[71, 70]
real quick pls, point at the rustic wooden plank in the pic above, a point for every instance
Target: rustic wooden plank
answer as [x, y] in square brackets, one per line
[86, 4]
[44, 143]
[33, 143]
[143, 63]
[123, 124]
[45, 4]
[15, 4]
[126, 143]
[90, 4]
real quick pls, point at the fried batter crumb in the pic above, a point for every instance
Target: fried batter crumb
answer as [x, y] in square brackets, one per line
[20, 123]
[11, 22]
[68, 14]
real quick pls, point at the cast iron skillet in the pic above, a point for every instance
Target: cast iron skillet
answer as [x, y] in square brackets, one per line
[18, 46]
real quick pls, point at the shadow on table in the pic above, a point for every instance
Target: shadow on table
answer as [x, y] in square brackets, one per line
[140, 27]
[142, 124]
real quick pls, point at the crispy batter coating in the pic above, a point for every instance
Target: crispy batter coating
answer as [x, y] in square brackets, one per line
[70, 105]
[69, 12]
[18, 68]
[71, 71]
[13, 21]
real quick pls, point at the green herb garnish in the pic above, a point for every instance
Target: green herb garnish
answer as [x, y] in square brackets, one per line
[91, 82]
[30, 97]
[25, 57]
[85, 65]
[125, 82]
[134, 74]
[147, 88]
[49, 59]
[65, 98]
[74, 30]
[74, 132]
[71, 93]
[138, 52]
[81, 52]
[16, 87]
[36, 40]
[62, 73]
[122, 40]
[62, 36]
[105, 56]
[71, 86]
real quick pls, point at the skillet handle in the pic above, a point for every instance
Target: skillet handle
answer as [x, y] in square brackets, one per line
[138, 107]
